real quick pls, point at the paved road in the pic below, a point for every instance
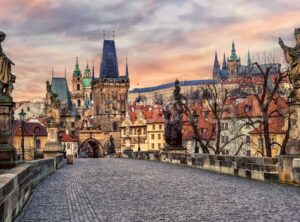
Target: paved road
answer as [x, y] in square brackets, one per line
[135, 190]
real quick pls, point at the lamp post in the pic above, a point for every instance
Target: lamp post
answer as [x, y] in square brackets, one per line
[22, 115]
[195, 119]
[139, 139]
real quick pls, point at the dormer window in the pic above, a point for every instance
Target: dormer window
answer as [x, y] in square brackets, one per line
[247, 109]
[37, 130]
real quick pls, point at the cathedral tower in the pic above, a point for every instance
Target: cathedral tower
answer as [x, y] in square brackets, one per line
[233, 63]
[216, 68]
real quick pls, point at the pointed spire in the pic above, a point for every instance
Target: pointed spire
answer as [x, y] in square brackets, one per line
[224, 65]
[93, 70]
[216, 58]
[249, 58]
[113, 34]
[233, 55]
[77, 71]
[127, 72]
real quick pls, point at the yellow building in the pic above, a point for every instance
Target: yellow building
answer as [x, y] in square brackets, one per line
[144, 128]
[277, 135]
[35, 137]
[155, 135]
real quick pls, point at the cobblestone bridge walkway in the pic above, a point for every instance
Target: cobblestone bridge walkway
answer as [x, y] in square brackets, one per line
[134, 190]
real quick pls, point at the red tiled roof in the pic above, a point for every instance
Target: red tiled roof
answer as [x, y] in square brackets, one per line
[68, 138]
[31, 129]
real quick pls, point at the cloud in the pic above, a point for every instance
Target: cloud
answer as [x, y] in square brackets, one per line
[164, 39]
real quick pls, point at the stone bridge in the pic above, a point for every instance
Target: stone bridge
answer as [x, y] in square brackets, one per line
[136, 190]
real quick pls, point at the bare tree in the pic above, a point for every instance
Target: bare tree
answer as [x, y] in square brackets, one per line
[266, 90]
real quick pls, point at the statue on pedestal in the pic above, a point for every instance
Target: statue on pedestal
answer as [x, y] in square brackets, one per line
[173, 128]
[7, 151]
[52, 105]
[292, 57]
[6, 77]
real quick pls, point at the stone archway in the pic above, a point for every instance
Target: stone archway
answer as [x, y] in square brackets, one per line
[91, 148]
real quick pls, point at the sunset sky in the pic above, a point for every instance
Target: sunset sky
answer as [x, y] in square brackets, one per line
[164, 39]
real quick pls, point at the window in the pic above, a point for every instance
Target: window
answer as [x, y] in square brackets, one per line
[115, 126]
[78, 103]
[152, 136]
[152, 145]
[68, 146]
[260, 143]
[78, 87]
[159, 146]
[153, 127]
[248, 153]
[226, 126]
[247, 139]
[28, 109]
[38, 143]
[91, 96]
[247, 109]
[72, 124]
[37, 130]
[160, 126]
[159, 136]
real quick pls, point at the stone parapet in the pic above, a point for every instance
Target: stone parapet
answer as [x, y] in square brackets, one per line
[17, 184]
[284, 169]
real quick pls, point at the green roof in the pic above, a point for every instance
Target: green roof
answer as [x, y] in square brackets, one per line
[86, 82]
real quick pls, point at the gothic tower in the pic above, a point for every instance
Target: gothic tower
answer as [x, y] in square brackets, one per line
[110, 91]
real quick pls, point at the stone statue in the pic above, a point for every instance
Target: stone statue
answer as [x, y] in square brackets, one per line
[292, 57]
[6, 77]
[52, 105]
[111, 147]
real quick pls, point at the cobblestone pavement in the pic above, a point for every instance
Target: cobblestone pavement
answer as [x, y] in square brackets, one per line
[134, 190]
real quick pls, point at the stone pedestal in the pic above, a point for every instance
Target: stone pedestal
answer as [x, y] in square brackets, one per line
[8, 155]
[52, 146]
[293, 145]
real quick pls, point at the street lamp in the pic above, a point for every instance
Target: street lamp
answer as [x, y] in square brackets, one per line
[195, 119]
[22, 115]
[139, 139]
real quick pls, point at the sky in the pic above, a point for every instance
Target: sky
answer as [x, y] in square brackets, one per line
[163, 39]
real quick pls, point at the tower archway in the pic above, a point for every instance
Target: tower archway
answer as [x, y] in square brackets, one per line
[91, 148]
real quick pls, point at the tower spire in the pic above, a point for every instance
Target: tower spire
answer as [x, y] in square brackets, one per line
[224, 65]
[103, 34]
[77, 71]
[127, 72]
[216, 68]
[249, 58]
[93, 70]
[113, 34]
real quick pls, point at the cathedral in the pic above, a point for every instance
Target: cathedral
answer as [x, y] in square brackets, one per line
[231, 67]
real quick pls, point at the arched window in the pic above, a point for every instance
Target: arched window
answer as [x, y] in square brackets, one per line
[91, 96]
[78, 87]
[79, 103]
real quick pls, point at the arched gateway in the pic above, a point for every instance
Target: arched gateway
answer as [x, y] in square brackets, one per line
[91, 148]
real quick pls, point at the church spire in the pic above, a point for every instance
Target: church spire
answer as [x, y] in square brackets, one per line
[216, 68]
[127, 72]
[233, 55]
[77, 71]
[93, 70]
[224, 65]
[249, 58]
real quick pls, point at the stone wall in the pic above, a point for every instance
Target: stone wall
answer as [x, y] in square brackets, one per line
[257, 168]
[17, 184]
